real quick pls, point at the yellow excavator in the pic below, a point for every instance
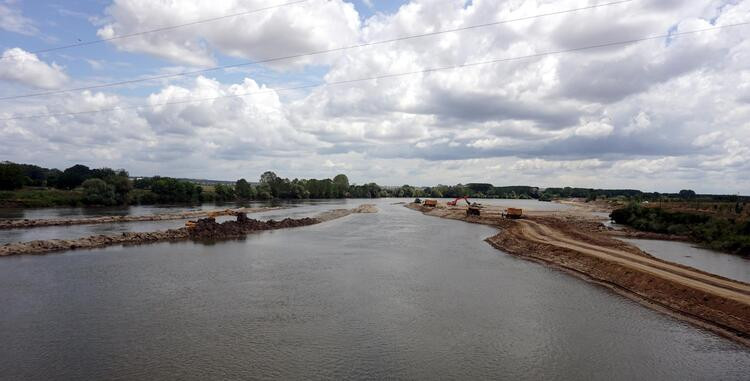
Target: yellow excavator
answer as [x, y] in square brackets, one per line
[213, 214]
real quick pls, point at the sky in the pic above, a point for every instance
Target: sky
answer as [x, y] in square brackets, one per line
[530, 101]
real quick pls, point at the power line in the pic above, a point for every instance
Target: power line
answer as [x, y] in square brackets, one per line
[319, 52]
[394, 75]
[162, 29]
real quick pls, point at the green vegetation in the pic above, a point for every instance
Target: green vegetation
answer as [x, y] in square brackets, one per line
[11, 176]
[636, 195]
[33, 186]
[719, 233]
[168, 190]
[98, 192]
[27, 185]
[38, 198]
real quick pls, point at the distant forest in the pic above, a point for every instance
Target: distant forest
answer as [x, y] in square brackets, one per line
[27, 185]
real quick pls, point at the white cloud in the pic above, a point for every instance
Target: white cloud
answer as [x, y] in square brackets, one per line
[312, 26]
[545, 166]
[12, 20]
[660, 115]
[23, 67]
[594, 130]
[707, 140]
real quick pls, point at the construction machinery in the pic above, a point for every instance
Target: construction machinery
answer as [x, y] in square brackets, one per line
[217, 213]
[473, 210]
[430, 203]
[513, 213]
[454, 202]
[472, 207]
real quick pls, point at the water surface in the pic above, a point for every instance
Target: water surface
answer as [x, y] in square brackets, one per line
[389, 295]
[293, 209]
[727, 265]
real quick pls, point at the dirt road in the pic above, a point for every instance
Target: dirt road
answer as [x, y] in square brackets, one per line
[685, 276]
[584, 248]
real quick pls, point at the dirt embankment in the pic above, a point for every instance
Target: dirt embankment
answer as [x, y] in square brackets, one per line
[33, 223]
[584, 248]
[204, 229]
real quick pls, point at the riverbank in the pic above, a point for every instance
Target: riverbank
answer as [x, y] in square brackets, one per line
[583, 247]
[204, 229]
[34, 223]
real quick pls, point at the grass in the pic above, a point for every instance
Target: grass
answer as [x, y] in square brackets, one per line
[40, 197]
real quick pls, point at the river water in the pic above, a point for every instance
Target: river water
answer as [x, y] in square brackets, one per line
[294, 209]
[727, 265]
[388, 295]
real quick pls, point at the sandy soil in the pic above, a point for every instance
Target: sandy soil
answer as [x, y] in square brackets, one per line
[582, 246]
[205, 229]
[26, 223]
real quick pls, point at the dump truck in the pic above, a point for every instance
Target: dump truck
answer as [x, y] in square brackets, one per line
[430, 203]
[513, 213]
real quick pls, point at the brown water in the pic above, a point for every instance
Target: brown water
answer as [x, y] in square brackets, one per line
[389, 295]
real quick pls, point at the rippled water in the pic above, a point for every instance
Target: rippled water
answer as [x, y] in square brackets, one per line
[295, 210]
[389, 295]
[726, 265]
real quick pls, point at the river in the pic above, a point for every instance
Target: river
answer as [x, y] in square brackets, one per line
[394, 294]
[727, 265]
[294, 209]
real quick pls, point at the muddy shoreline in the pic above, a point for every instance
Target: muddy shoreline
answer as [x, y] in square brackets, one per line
[204, 229]
[34, 223]
[585, 249]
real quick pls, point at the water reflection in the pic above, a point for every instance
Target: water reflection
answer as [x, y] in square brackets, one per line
[392, 295]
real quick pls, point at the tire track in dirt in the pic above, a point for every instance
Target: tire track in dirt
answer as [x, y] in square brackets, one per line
[726, 288]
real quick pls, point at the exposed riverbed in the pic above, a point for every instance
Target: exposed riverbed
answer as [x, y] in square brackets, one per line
[388, 295]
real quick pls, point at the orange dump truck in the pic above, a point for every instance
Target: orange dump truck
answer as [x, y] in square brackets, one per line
[513, 213]
[430, 203]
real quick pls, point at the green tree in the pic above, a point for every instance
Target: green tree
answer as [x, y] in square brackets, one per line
[102, 173]
[268, 177]
[73, 177]
[264, 191]
[98, 192]
[341, 185]
[121, 184]
[244, 190]
[11, 176]
[224, 192]
[168, 189]
[687, 194]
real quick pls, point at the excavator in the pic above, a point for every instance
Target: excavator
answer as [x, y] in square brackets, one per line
[217, 213]
[454, 202]
[473, 208]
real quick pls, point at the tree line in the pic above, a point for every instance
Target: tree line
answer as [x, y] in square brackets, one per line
[729, 234]
[80, 184]
[31, 185]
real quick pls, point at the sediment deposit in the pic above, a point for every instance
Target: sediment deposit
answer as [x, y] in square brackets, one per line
[585, 248]
[204, 229]
[33, 223]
